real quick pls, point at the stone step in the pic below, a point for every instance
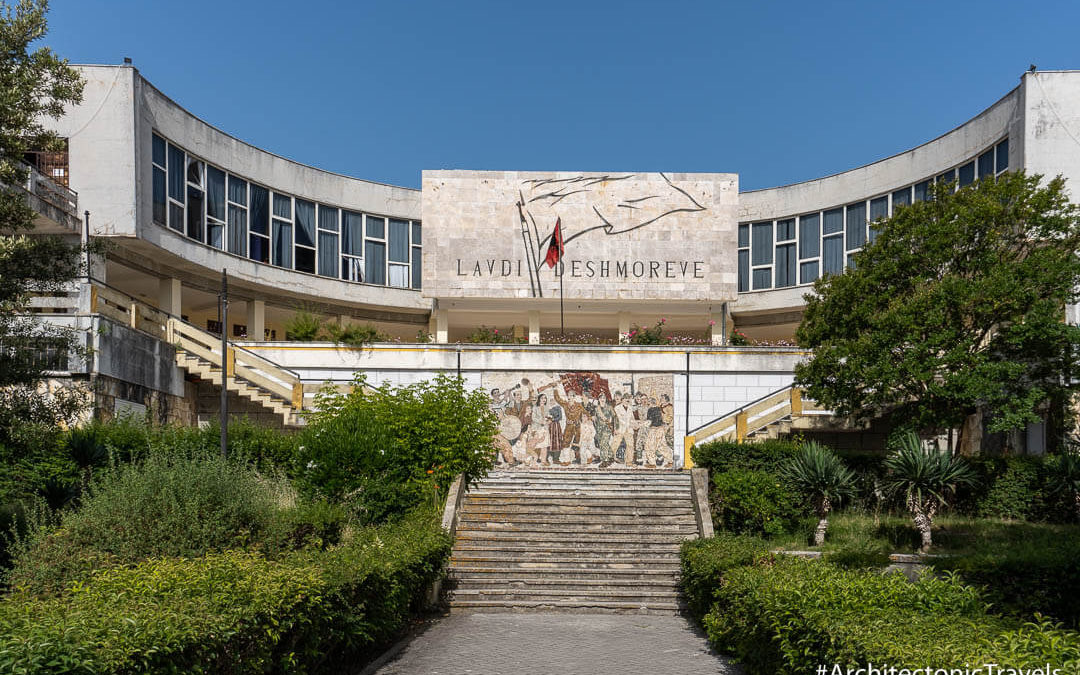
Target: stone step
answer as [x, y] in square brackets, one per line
[575, 518]
[596, 607]
[583, 561]
[625, 526]
[561, 548]
[564, 583]
[568, 575]
[541, 538]
[672, 508]
[586, 499]
[615, 471]
[571, 494]
[643, 480]
[540, 595]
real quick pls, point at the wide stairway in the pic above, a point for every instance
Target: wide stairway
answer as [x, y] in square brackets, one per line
[575, 541]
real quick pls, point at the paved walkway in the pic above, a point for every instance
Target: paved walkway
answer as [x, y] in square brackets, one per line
[557, 644]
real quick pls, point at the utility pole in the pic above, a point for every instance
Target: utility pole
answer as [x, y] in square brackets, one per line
[223, 313]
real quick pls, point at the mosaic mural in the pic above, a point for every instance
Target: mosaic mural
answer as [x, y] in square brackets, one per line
[583, 419]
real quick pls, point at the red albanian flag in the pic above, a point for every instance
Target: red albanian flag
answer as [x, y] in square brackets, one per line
[555, 248]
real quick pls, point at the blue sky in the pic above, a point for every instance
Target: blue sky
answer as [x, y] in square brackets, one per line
[778, 92]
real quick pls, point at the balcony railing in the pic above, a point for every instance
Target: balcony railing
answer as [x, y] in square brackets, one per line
[52, 200]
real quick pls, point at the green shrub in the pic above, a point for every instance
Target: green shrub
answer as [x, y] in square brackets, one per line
[768, 455]
[385, 450]
[782, 614]
[355, 335]
[486, 335]
[303, 326]
[1024, 580]
[179, 504]
[1012, 492]
[704, 562]
[230, 612]
[753, 502]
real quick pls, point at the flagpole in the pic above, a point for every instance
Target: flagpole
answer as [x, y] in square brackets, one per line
[562, 317]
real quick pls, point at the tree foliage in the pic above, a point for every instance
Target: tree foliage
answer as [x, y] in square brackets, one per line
[956, 307]
[35, 85]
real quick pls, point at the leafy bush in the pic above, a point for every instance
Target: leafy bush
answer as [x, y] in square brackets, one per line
[486, 335]
[355, 335]
[230, 612]
[1012, 492]
[704, 562]
[388, 449]
[1024, 580]
[819, 475]
[781, 614]
[753, 502]
[180, 504]
[768, 455]
[303, 326]
[647, 336]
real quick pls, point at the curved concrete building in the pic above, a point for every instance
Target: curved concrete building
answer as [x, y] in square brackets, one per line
[528, 252]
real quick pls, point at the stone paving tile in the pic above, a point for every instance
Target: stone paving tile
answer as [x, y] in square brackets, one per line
[558, 644]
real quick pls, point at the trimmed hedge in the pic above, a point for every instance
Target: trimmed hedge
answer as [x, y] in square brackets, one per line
[230, 612]
[782, 614]
[753, 502]
[767, 455]
[1026, 579]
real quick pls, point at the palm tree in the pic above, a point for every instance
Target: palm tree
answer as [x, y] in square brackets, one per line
[1064, 477]
[822, 477]
[926, 478]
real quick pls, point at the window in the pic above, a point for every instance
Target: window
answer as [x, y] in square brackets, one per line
[879, 210]
[305, 236]
[238, 213]
[417, 256]
[160, 209]
[744, 270]
[1002, 151]
[196, 204]
[834, 254]
[809, 236]
[230, 213]
[328, 241]
[967, 174]
[856, 226]
[901, 198]
[352, 246]
[785, 265]
[834, 221]
[375, 250]
[808, 272]
[259, 225]
[215, 207]
[986, 163]
[922, 191]
[399, 253]
[176, 188]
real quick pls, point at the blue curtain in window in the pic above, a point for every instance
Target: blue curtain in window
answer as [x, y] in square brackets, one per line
[328, 254]
[761, 244]
[834, 254]
[238, 190]
[282, 243]
[399, 241]
[809, 236]
[856, 225]
[237, 230]
[352, 233]
[215, 193]
[305, 223]
[260, 210]
[375, 262]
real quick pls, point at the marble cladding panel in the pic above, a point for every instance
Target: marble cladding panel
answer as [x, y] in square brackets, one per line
[647, 236]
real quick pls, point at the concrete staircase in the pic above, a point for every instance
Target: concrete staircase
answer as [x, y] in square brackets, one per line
[246, 374]
[575, 541]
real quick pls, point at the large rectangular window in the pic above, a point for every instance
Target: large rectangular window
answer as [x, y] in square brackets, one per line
[901, 198]
[856, 226]
[1002, 151]
[967, 174]
[785, 265]
[922, 191]
[238, 213]
[417, 241]
[834, 221]
[375, 250]
[215, 207]
[176, 188]
[160, 208]
[328, 241]
[808, 272]
[761, 244]
[352, 246]
[879, 210]
[259, 226]
[809, 236]
[399, 253]
[281, 232]
[986, 163]
[304, 233]
[834, 254]
[744, 270]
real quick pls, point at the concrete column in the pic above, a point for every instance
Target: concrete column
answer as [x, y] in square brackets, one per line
[442, 330]
[169, 296]
[716, 330]
[624, 325]
[534, 327]
[256, 320]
